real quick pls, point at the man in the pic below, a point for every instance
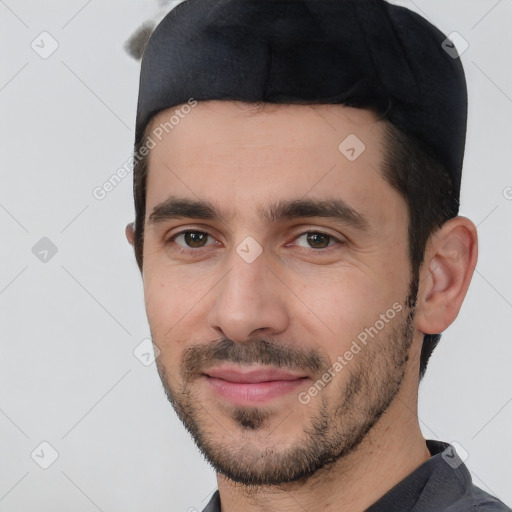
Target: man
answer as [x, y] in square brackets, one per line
[296, 187]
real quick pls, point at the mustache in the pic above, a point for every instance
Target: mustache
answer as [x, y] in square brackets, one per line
[198, 358]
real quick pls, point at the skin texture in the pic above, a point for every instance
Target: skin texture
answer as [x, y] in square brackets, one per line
[296, 306]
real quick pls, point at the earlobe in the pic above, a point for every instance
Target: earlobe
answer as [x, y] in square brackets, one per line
[130, 233]
[450, 260]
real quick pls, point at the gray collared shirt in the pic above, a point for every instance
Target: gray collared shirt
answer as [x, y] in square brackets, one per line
[442, 483]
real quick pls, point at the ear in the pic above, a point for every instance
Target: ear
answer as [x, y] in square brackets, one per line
[448, 265]
[130, 233]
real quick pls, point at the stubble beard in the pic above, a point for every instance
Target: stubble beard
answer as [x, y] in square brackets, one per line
[331, 433]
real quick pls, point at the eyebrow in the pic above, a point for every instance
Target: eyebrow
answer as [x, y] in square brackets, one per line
[334, 209]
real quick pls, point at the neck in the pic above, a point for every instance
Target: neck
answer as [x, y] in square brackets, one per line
[392, 450]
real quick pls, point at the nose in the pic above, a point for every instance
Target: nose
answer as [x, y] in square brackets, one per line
[250, 300]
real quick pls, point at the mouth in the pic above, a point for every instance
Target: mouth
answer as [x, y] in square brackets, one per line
[244, 386]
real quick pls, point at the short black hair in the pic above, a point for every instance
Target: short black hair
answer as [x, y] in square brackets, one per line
[418, 175]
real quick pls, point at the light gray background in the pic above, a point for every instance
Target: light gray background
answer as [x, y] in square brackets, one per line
[69, 326]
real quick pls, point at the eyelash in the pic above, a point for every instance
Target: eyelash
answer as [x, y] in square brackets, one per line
[190, 250]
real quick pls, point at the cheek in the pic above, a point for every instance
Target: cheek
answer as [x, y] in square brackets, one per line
[340, 308]
[175, 300]
[165, 303]
[164, 309]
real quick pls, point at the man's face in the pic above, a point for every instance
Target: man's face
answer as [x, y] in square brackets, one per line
[283, 325]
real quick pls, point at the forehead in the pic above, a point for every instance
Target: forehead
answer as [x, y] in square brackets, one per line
[241, 155]
[243, 121]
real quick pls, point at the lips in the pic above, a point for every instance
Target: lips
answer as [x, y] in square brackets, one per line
[252, 376]
[248, 386]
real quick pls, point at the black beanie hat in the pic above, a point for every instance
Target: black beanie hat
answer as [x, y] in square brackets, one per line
[361, 53]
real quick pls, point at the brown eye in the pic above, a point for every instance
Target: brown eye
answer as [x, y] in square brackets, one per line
[192, 239]
[318, 240]
[315, 240]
